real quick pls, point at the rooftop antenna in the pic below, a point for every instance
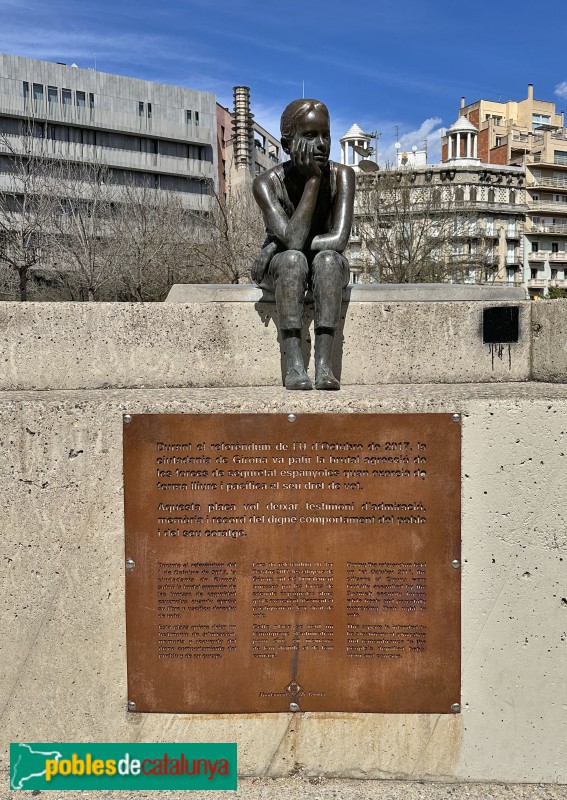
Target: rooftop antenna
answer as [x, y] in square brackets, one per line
[303, 89]
[94, 54]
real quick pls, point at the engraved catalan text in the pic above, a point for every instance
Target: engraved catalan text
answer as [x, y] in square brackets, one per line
[386, 587]
[291, 586]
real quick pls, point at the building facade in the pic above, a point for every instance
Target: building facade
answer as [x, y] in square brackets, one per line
[147, 133]
[530, 134]
[479, 209]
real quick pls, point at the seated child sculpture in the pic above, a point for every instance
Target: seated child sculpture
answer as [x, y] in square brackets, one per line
[307, 205]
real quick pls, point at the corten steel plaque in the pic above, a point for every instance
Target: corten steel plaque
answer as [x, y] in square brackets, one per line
[279, 560]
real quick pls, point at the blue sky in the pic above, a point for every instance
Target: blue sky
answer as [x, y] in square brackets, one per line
[384, 66]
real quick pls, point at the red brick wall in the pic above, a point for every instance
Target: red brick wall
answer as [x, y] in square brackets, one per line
[444, 152]
[499, 155]
[473, 116]
[483, 153]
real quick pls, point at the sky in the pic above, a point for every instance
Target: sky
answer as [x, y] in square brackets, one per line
[399, 70]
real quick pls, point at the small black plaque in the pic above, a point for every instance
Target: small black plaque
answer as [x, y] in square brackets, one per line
[500, 324]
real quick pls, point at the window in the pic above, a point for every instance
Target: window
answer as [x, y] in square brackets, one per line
[491, 196]
[533, 273]
[511, 227]
[140, 109]
[223, 141]
[554, 247]
[473, 195]
[81, 99]
[91, 100]
[490, 226]
[38, 92]
[535, 247]
[511, 273]
[52, 132]
[499, 141]
[52, 94]
[196, 117]
[510, 254]
[66, 97]
[535, 196]
[26, 89]
[539, 120]
[149, 110]
[188, 116]
[512, 197]
[153, 143]
[553, 274]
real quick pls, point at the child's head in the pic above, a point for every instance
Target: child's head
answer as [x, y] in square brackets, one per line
[293, 114]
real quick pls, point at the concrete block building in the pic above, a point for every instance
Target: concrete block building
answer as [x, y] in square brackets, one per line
[152, 133]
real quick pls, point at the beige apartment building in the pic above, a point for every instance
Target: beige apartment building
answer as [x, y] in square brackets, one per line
[530, 133]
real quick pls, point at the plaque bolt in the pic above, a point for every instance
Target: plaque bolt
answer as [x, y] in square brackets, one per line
[293, 707]
[130, 563]
[455, 708]
[456, 417]
[455, 563]
[291, 417]
[131, 705]
[127, 418]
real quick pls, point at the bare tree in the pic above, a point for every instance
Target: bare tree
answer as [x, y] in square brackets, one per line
[414, 231]
[226, 241]
[150, 231]
[84, 253]
[25, 202]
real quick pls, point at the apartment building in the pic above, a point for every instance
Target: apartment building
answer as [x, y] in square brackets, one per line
[530, 133]
[145, 132]
[486, 203]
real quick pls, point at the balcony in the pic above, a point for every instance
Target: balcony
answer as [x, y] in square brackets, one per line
[553, 183]
[549, 205]
[552, 230]
[545, 255]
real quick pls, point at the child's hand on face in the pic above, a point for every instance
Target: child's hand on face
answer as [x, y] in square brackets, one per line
[302, 156]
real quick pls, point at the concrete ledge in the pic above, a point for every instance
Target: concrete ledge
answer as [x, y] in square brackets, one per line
[62, 572]
[359, 293]
[48, 346]
[549, 337]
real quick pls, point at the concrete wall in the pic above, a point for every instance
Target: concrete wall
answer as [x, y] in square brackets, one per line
[62, 569]
[87, 346]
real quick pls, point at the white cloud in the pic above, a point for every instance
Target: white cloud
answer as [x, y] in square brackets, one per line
[561, 90]
[429, 132]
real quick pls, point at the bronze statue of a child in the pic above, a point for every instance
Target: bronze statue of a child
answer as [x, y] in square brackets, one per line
[307, 205]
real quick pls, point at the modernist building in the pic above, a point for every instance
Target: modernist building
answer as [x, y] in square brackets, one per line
[147, 133]
[492, 199]
[245, 148]
[531, 134]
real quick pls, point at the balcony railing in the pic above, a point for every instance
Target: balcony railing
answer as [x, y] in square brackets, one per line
[554, 230]
[549, 205]
[555, 183]
[545, 255]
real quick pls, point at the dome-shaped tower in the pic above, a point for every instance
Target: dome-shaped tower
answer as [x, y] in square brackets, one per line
[354, 137]
[462, 143]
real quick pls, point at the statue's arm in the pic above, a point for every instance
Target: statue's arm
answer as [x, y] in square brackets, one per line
[292, 232]
[341, 221]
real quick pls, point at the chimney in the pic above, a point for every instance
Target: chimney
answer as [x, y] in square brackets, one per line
[243, 127]
[462, 102]
[530, 91]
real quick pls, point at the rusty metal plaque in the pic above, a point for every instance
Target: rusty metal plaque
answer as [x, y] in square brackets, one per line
[278, 562]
